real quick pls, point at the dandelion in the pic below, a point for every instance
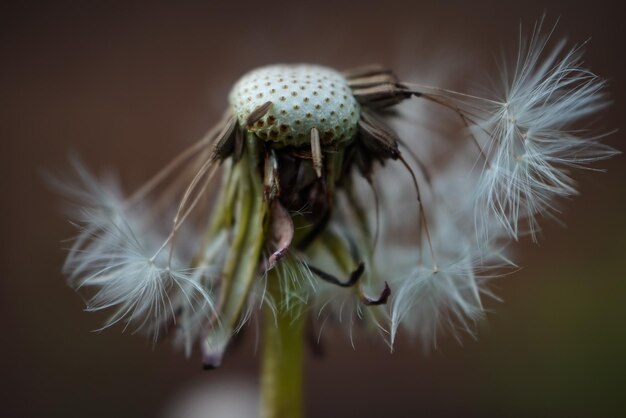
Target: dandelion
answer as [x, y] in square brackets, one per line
[310, 166]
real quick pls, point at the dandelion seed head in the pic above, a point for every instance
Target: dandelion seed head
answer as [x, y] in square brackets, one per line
[326, 209]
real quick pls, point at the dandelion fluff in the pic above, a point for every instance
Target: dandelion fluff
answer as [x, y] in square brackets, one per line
[530, 137]
[114, 257]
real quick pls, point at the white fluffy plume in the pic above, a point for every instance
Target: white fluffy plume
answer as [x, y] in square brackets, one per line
[116, 255]
[430, 300]
[530, 134]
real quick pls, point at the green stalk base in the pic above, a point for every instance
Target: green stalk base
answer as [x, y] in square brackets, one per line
[282, 362]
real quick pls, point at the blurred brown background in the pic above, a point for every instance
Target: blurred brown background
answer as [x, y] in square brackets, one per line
[128, 85]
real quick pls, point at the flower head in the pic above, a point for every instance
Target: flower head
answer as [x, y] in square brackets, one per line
[310, 167]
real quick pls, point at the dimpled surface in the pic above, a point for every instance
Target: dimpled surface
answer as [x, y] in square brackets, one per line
[303, 97]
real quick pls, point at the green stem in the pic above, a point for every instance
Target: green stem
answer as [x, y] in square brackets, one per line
[282, 361]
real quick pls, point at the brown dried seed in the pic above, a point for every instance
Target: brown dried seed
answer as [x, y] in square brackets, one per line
[382, 95]
[316, 152]
[371, 81]
[257, 113]
[365, 71]
[224, 141]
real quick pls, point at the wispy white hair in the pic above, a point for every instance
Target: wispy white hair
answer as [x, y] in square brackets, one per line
[116, 256]
[444, 294]
[530, 135]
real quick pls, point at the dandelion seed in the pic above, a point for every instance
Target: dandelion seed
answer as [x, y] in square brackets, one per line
[531, 137]
[431, 301]
[113, 255]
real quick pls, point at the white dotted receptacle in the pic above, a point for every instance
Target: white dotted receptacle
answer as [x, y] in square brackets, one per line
[303, 97]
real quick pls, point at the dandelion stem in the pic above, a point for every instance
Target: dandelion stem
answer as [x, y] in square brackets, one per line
[282, 360]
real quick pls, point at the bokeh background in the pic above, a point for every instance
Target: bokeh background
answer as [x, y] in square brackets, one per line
[127, 85]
